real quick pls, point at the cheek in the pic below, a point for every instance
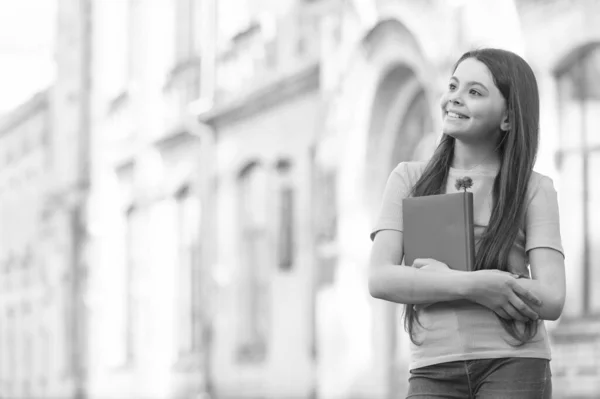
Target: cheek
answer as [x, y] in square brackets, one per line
[443, 100]
[496, 117]
[488, 119]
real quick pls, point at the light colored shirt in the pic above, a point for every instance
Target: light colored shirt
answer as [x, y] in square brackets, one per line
[464, 330]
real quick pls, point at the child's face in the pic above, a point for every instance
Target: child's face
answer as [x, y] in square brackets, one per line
[472, 106]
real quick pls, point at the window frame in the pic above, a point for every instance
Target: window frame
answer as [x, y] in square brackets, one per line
[252, 342]
[575, 71]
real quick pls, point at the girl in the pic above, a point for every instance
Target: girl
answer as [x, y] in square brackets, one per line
[480, 333]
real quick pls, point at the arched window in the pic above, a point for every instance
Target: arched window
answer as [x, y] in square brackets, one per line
[579, 163]
[189, 291]
[286, 225]
[255, 262]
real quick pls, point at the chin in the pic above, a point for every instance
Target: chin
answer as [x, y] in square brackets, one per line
[460, 136]
[453, 133]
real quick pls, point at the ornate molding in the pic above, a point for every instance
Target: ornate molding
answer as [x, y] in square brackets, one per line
[267, 97]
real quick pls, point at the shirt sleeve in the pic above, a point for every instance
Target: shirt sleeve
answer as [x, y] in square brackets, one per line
[542, 225]
[390, 212]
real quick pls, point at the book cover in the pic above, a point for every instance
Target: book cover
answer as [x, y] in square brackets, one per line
[440, 227]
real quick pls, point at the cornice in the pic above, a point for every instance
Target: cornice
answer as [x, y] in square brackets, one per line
[23, 112]
[269, 96]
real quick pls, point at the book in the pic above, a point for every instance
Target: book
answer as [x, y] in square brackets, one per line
[440, 227]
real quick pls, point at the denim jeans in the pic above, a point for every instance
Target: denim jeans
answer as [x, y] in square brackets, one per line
[506, 378]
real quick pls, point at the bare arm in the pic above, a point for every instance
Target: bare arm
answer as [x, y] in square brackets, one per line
[391, 282]
[547, 264]
[548, 283]
[494, 289]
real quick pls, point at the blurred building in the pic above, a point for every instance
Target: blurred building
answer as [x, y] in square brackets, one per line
[568, 67]
[146, 331]
[45, 162]
[339, 92]
[30, 317]
[186, 212]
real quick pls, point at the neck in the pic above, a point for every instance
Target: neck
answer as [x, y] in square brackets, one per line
[471, 155]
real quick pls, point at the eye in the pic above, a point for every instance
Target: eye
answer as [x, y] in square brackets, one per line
[451, 86]
[474, 92]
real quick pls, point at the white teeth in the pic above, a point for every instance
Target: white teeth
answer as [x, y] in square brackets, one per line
[455, 115]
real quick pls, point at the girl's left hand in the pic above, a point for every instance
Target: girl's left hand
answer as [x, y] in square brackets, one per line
[430, 264]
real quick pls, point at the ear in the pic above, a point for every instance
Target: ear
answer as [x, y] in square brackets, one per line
[505, 125]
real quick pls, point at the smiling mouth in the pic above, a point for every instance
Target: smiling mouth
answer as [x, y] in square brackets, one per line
[455, 115]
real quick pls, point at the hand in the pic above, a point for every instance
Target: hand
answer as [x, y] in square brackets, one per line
[500, 292]
[430, 264]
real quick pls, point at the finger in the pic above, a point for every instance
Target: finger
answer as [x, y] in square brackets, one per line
[500, 312]
[523, 314]
[442, 264]
[526, 294]
[514, 313]
[523, 308]
[419, 263]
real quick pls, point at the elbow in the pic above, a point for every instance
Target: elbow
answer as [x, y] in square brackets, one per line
[375, 286]
[555, 310]
[552, 316]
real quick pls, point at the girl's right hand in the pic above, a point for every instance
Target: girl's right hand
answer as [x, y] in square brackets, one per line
[499, 292]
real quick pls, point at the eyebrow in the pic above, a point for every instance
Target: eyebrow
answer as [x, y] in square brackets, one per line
[471, 83]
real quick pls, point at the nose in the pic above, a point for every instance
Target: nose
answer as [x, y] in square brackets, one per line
[454, 99]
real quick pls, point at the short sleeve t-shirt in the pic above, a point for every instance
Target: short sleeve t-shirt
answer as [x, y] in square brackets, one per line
[463, 330]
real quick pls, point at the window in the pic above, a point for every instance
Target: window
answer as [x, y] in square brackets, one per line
[184, 77]
[10, 262]
[185, 26]
[189, 291]
[325, 220]
[44, 356]
[136, 39]
[307, 30]
[68, 309]
[115, 24]
[254, 263]
[131, 248]
[27, 350]
[414, 130]
[286, 227]
[285, 236]
[579, 161]
[11, 343]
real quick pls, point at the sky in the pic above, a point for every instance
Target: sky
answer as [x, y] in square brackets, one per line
[26, 49]
[27, 30]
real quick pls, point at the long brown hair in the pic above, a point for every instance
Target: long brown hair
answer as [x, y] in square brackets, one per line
[518, 150]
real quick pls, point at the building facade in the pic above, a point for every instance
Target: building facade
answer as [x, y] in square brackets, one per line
[186, 213]
[31, 322]
[567, 68]
[45, 147]
[145, 295]
[382, 67]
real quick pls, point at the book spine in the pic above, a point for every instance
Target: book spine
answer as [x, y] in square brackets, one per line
[469, 231]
